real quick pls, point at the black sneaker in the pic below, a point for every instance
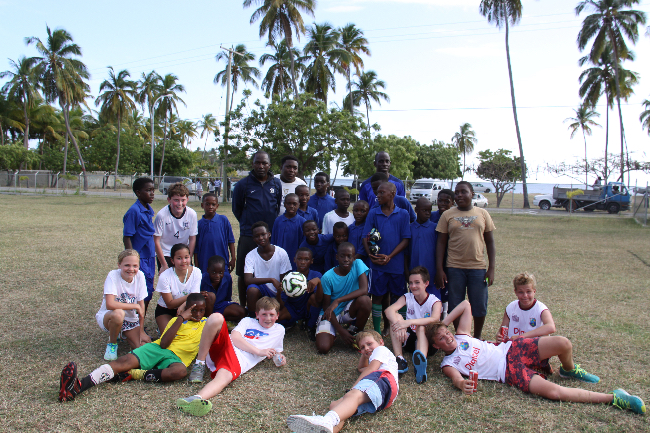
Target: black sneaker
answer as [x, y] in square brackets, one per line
[311, 332]
[70, 385]
[402, 365]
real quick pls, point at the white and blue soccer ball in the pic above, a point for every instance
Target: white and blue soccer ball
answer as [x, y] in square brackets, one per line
[294, 284]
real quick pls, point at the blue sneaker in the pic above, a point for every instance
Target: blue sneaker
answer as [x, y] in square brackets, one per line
[420, 366]
[580, 374]
[111, 352]
[623, 400]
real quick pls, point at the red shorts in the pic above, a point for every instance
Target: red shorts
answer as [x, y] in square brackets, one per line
[522, 363]
[222, 354]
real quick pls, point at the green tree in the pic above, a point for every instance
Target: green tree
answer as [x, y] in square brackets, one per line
[464, 140]
[8, 111]
[500, 168]
[644, 118]
[14, 155]
[403, 153]
[240, 70]
[611, 21]
[583, 121]
[438, 161]
[353, 41]
[102, 146]
[22, 87]
[504, 13]
[148, 93]
[116, 100]
[279, 20]
[366, 90]
[277, 80]
[170, 89]
[208, 126]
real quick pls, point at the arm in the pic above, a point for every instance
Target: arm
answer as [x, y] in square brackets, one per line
[464, 312]
[192, 244]
[441, 247]
[547, 328]
[240, 342]
[250, 279]
[160, 254]
[373, 366]
[127, 242]
[504, 322]
[313, 284]
[238, 200]
[170, 333]
[171, 302]
[457, 379]
[143, 335]
[231, 264]
[112, 304]
[491, 252]
[362, 290]
[394, 317]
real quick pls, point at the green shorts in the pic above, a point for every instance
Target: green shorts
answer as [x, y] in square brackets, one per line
[152, 356]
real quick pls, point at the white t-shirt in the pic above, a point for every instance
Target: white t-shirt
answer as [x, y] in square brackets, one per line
[288, 188]
[473, 354]
[129, 293]
[332, 218]
[522, 321]
[174, 230]
[260, 337]
[168, 282]
[277, 265]
[416, 311]
[387, 359]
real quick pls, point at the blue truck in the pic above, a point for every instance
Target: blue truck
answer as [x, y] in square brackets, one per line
[613, 197]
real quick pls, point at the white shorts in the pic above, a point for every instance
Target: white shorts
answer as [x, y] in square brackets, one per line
[126, 325]
[323, 325]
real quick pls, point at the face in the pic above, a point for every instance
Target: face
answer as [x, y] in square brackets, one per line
[444, 340]
[303, 261]
[321, 184]
[303, 195]
[526, 295]
[375, 185]
[423, 211]
[198, 312]
[368, 344]
[385, 194]
[266, 318]
[289, 170]
[129, 266]
[210, 206]
[345, 257]
[340, 236]
[463, 196]
[216, 272]
[311, 232]
[261, 236]
[147, 193]
[382, 162]
[417, 285]
[291, 205]
[343, 201]
[182, 259]
[444, 202]
[261, 165]
[177, 203]
[360, 212]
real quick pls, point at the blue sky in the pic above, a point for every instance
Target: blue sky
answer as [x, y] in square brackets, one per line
[443, 64]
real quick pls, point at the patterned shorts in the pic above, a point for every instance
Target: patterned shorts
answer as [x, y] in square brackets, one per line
[522, 363]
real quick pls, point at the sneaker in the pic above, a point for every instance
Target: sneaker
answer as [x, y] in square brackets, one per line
[196, 375]
[402, 365]
[311, 333]
[136, 374]
[420, 366]
[309, 424]
[121, 377]
[623, 400]
[111, 352]
[353, 330]
[580, 374]
[70, 385]
[196, 407]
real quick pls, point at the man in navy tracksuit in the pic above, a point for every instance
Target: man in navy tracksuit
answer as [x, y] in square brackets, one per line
[257, 197]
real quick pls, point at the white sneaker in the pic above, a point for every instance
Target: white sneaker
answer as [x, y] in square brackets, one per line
[111, 352]
[309, 424]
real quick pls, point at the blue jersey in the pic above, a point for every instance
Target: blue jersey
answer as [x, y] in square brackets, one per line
[422, 249]
[287, 234]
[322, 205]
[355, 237]
[392, 228]
[254, 201]
[310, 214]
[138, 225]
[366, 193]
[330, 256]
[214, 236]
[435, 216]
[223, 293]
[402, 203]
[337, 286]
[319, 251]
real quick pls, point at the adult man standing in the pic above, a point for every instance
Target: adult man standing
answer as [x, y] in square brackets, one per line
[287, 176]
[217, 187]
[382, 165]
[256, 197]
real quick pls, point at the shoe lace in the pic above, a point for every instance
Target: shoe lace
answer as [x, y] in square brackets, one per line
[620, 402]
[579, 371]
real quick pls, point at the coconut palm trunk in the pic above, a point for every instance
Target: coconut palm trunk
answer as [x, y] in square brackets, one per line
[350, 89]
[586, 164]
[606, 138]
[162, 157]
[618, 102]
[151, 123]
[66, 117]
[26, 137]
[117, 159]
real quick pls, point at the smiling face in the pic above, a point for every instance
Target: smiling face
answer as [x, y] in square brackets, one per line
[291, 204]
[321, 184]
[261, 236]
[266, 318]
[311, 233]
[216, 272]
[368, 344]
[146, 193]
[444, 202]
[210, 206]
[444, 340]
[417, 285]
[129, 267]
[360, 212]
[382, 162]
[525, 295]
[182, 259]
[463, 196]
[289, 170]
[303, 196]
[198, 312]
[261, 165]
[177, 204]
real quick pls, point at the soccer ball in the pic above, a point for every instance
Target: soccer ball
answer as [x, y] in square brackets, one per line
[374, 236]
[374, 249]
[294, 284]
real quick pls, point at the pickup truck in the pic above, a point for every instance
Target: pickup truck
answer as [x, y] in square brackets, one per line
[613, 198]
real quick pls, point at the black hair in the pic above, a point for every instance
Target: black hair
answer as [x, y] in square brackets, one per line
[210, 194]
[307, 222]
[260, 224]
[391, 186]
[379, 176]
[464, 182]
[176, 248]
[303, 186]
[340, 225]
[140, 182]
[421, 271]
[259, 152]
[347, 245]
[291, 194]
[323, 174]
[305, 250]
[193, 298]
[447, 191]
[215, 260]
[381, 151]
[288, 158]
[340, 191]
[362, 202]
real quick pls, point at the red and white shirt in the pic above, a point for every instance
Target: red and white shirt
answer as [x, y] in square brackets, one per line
[415, 310]
[474, 354]
[522, 321]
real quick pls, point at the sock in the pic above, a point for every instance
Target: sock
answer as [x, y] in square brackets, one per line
[136, 374]
[86, 383]
[376, 317]
[192, 398]
[102, 374]
[332, 417]
[443, 313]
[153, 375]
[400, 356]
[402, 311]
[198, 361]
[314, 312]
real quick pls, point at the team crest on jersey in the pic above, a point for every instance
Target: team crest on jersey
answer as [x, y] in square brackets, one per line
[186, 225]
[533, 322]
[464, 345]
[427, 315]
[515, 318]
[272, 190]
[255, 334]
[457, 360]
[465, 221]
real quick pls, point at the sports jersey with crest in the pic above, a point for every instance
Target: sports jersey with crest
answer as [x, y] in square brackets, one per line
[522, 321]
[260, 337]
[415, 310]
[174, 230]
[474, 354]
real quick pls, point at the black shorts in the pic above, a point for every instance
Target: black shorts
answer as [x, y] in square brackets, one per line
[411, 343]
[168, 260]
[245, 245]
[161, 311]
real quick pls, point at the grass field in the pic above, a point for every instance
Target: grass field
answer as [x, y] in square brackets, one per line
[593, 273]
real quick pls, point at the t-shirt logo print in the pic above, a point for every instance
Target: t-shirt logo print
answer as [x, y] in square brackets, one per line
[464, 345]
[255, 334]
[465, 221]
[533, 322]
[272, 190]
[515, 318]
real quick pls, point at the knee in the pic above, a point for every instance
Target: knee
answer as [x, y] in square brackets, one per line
[365, 302]
[323, 346]
[565, 344]
[211, 297]
[117, 315]
[215, 320]
[178, 373]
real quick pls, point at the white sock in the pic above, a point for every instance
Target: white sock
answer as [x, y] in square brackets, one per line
[102, 374]
[194, 397]
[198, 361]
[332, 417]
[400, 356]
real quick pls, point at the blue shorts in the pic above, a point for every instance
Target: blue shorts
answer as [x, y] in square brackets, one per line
[221, 306]
[470, 282]
[264, 290]
[297, 306]
[380, 387]
[383, 282]
[148, 268]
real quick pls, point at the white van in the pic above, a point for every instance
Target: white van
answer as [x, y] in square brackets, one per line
[428, 188]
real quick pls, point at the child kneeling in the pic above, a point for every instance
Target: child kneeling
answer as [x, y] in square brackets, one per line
[375, 389]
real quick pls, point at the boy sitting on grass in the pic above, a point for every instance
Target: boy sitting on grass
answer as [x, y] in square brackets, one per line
[229, 356]
[218, 282]
[375, 389]
[515, 363]
[164, 360]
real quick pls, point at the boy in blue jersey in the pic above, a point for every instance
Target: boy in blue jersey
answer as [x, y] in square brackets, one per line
[444, 201]
[422, 249]
[304, 210]
[400, 202]
[355, 230]
[138, 231]
[387, 266]
[215, 236]
[216, 287]
[322, 201]
[340, 233]
[287, 228]
[317, 243]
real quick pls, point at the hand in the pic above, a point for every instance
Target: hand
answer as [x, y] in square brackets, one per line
[380, 259]
[514, 337]
[401, 335]
[276, 284]
[489, 275]
[312, 284]
[329, 312]
[399, 324]
[139, 310]
[205, 295]
[467, 387]
[187, 313]
[144, 337]
[441, 279]
[284, 361]
[498, 338]
[347, 337]
[374, 259]
[267, 353]
[231, 264]
[163, 267]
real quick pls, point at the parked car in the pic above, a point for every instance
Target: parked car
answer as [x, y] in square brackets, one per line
[544, 201]
[170, 180]
[479, 187]
[479, 200]
[428, 188]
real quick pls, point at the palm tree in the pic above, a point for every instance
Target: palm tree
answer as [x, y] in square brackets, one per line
[583, 120]
[504, 13]
[611, 22]
[62, 78]
[277, 79]
[208, 125]
[280, 18]
[367, 90]
[167, 106]
[8, 116]
[644, 118]
[186, 130]
[239, 70]
[23, 87]
[148, 93]
[117, 102]
[352, 40]
[464, 140]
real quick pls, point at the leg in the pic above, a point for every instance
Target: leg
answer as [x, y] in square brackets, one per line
[422, 343]
[284, 314]
[377, 311]
[325, 336]
[347, 406]
[478, 326]
[360, 310]
[456, 285]
[477, 294]
[557, 346]
[124, 363]
[420, 355]
[133, 337]
[162, 322]
[175, 371]
[234, 312]
[252, 295]
[113, 322]
[397, 340]
[552, 391]
[216, 385]
[209, 303]
[385, 303]
[210, 331]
